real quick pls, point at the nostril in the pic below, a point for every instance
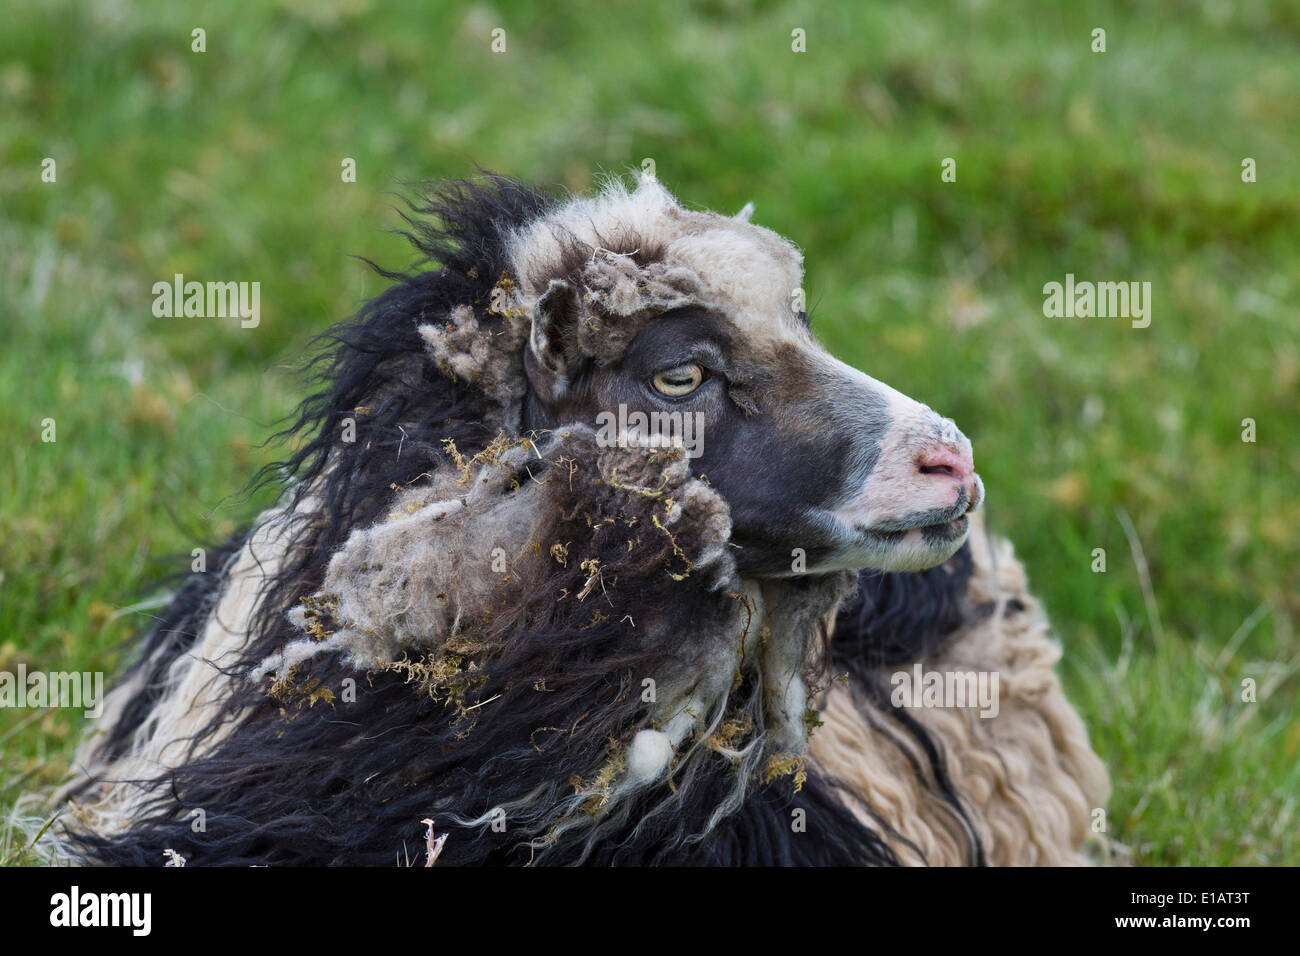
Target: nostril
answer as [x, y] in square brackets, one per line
[939, 470]
[943, 460]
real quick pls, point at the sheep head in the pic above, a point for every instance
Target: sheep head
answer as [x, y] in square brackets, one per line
[656, 324]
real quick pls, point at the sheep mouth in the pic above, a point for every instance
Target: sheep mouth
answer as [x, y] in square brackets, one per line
[936, 532]
[914, 543]
[937, 525]
[910, 542]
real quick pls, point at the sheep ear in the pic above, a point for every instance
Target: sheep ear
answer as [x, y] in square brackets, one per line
[744, 214]
[553, 325]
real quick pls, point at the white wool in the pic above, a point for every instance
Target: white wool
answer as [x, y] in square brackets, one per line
[648, 756]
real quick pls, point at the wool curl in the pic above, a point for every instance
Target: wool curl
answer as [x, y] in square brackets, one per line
[1029, 783]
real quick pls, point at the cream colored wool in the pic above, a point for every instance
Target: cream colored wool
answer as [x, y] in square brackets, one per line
[195, 690]
[1029, 780]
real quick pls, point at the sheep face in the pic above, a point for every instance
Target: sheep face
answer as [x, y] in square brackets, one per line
[658, 324]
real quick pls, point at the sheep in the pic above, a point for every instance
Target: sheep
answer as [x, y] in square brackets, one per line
[487, 613]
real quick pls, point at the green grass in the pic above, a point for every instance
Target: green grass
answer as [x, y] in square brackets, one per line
[1115, 166]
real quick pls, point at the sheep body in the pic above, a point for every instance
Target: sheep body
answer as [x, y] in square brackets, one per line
[613, 690]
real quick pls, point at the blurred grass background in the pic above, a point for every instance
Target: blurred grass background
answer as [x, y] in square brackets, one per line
[1117, 166]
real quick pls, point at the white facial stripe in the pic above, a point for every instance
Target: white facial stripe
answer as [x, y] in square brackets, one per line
[895, 490]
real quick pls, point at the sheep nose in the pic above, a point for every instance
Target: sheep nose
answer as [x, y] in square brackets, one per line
[947, 457]
[947, 461]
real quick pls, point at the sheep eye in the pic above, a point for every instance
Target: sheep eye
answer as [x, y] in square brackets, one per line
[679, 381]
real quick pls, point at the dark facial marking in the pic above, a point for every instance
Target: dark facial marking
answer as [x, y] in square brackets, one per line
[784, 433]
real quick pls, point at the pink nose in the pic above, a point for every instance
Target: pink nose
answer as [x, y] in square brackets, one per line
[945, 460]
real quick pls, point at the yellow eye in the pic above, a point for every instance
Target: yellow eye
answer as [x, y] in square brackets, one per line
[679, 381]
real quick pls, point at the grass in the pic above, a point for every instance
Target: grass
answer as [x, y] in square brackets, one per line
[1089, 434]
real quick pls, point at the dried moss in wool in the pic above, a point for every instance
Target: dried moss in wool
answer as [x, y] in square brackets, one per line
[600, 790]
[316, 611]
[734, 729]
[591, 567]
[291, 694]
[449, 677]
[785, 765]
[462, 465]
